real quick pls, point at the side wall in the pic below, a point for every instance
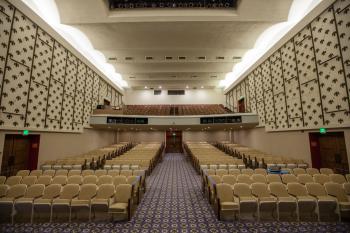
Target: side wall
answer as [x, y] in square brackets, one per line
[293, 144]
[199, 96]
[59, 145]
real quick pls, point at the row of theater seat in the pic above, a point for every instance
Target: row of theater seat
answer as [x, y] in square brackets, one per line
[327, 202]
[26, 203]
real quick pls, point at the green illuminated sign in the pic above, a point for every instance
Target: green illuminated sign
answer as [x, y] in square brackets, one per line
[323, 130]
[25, 132]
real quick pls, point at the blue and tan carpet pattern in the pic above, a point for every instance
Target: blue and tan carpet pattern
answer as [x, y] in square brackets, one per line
[174, 203]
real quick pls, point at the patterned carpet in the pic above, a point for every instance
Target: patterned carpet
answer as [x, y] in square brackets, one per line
[174, 203]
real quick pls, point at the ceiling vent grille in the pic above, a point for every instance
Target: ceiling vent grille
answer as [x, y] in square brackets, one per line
[220, 58]
[149, 58]
[168, 58]
[182, 58]
[176, 92]
[129, 58]
[201, 58]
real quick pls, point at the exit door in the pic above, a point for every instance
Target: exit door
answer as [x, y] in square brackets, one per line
[173, 142]
[329, 150]
[20, 152]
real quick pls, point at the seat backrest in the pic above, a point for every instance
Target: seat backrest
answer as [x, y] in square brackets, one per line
[2, 179]
[321, 178]
[346, 187]
[298, 171]
[258, 178]
[90, 179]
[52, 191]
[316, 189]
[347, 176]
[305, 178]
[44, 179]
[210, 172]
[297, 189]
[228, 179]
[29, 180]
[62, 180]
[113, 172]
[278, 189]
[247, 171]
[289, 178]
[312, 171]
[105, 191]
[337, 178]
[61, 172]
[234, 171]
[243, 178]
[273, 178]
[23, 173]
[49, 172]
[87, 191]
[260, 190]
[138, 172]
[35, 191]
[3, 190]
[337, 190]
[126, 173]
[221, 172]
[100, 172]
[260, 171]
[69, 191]
[326, 171]
[123, 193]
[105, 179]
[36, 173]
[132, 179]
[74, 173]
[75, 179]
[16, 191]
[13, 180]
[87, 172]
[214, 179]
[119, 180]
[242, 190]
[224, 192]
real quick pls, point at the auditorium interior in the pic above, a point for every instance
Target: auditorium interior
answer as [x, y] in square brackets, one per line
[174, 116]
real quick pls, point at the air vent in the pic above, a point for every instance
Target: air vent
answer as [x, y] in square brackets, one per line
[129, 58]
[194, 88]
[168, 58]
[173, 76]
[201, 58]
[194, 76]
[157, 92]
[213, 76]
[149, 58]
[112, 58]
[176, 92]
[220, 58]
[182, 58]
[152, 88]
[236, 58]
[132, 77]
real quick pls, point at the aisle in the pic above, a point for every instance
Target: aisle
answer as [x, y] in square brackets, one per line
[174, 203]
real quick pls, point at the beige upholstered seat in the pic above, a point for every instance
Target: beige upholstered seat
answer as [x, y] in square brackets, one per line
[229, 179]
[119, 180]
[244, 178]
[306, 203]
[62, 180]
[247, 171]
[135, 182]
[36, 173]
[210, 172]
[100, 203]
[326, 171]
[61, 206]
[126, 173]
[260, 171]
[13, 180]
[2, 179]
[259, 178]
[90, 179]
[122, 201]
[221, 172]
[312, 171]
[234, 172]
[267, 202]
[49, 172]
[23, 206]
[29, 180]
[337, 190]
[212, 181]
[75, 179]
[347, 176]
[82, 203]
[87, 172]
[61, 172]
[3, 190]
[105, 179]
[23, 173]
[298, 171]
[42, 205]
[100, 172]
[6, 203]
[321, 178]
[113, 172]
[337, 178]
[273, 178]
[327, 205]
[346, 187]
[287, 204]
[289, 178]
[74, 173]
[226, 200]
[305, 178]
[247, 202]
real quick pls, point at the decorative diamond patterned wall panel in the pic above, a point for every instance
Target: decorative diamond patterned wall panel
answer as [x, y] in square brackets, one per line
[311, 83]
[81, 77]
[261, 112]
[88, 88]
[59, 63]
[46, 38]
[103, 92]
[71, 76]
[67, 112]
[42, 63]
[266, 76]
[54, 106]
[36, 106]
[269, 107]
[78, 108]
[87, 113]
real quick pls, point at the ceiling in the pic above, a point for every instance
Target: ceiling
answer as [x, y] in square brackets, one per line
[173, 48]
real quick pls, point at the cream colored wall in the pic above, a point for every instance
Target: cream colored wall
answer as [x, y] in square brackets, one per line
[58, 145]
[200, 136]
[292, 143]
[142, 136]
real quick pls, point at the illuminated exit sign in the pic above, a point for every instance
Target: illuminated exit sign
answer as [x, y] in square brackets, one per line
[25, 132]
[323, 130]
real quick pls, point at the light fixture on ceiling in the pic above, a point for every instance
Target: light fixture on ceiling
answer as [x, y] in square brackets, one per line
[187, 87]
[202, 87]
[160, 87]
[146, 87]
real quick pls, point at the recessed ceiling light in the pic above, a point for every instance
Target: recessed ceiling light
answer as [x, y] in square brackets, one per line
[202, 87]
[146, 87]
[187, 86]
[241, 126]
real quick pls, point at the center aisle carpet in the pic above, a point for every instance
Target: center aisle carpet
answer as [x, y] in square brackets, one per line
[174, 203]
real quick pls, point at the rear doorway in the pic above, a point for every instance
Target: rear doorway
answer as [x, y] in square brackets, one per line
[19, 152]
[173, 142]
